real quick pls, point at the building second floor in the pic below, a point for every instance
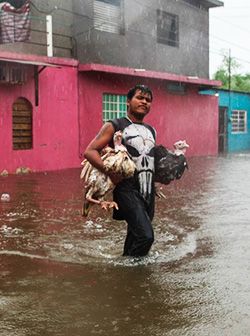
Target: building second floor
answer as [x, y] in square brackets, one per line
[168, 36]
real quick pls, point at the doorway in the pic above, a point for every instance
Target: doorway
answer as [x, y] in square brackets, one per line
[222, 141]
[22, 124]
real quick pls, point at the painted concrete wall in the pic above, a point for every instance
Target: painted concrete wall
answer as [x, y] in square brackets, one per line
[235, 101]
[193, 117]
[55, 122]
[138, 46]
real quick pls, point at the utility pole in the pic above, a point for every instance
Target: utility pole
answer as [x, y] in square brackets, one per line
[229, 85]
[229, 70]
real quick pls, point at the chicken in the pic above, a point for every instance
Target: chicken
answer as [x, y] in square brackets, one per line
[170, 165]
[98, 184]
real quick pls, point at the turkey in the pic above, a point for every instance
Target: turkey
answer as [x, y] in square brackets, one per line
[170, 165]
[98, 184]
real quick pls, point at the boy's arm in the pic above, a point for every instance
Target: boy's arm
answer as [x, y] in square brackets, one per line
[102, 139]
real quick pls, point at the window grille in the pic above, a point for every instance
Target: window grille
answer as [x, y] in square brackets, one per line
[167, 28]
[108, 16]
[239, 121]
[113, 106]
[22, 124]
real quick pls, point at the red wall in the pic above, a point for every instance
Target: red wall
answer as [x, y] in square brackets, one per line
[192, 117]
[55, 122]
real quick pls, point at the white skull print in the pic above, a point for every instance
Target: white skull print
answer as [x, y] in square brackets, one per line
[140, 143]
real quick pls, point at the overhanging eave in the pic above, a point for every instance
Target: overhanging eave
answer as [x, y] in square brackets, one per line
[212, 3]
[93, 67]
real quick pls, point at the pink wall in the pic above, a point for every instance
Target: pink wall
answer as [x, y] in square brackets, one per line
[69, 115]
[55, 122]
[192, 117]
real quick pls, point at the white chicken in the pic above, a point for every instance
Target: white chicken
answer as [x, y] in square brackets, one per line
[98, 184]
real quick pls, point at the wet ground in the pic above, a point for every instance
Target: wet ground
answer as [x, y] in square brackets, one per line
[61, 274]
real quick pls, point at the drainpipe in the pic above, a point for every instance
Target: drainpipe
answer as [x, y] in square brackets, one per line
[49, 35]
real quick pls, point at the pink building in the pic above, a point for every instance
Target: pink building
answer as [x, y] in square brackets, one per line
[50, 108]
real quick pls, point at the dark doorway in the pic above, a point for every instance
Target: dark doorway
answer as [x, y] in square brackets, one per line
[222, 143]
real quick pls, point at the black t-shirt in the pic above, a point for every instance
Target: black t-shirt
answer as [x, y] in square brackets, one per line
[139, 139]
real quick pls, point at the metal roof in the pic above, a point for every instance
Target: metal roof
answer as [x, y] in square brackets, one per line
[29, 62]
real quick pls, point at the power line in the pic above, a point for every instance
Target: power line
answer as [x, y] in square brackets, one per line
[237, 7]
[232, 24]
[236, 45]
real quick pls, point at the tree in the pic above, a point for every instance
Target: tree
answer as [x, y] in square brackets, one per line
[230, 78]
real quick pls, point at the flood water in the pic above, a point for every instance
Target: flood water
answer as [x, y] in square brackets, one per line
[61, 274]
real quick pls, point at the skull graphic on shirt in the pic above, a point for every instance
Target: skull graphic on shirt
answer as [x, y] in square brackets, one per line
[140, 143]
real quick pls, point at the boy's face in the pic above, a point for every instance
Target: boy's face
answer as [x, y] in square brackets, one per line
[139, 105]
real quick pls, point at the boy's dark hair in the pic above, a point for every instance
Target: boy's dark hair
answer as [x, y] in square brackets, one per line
[140, 87]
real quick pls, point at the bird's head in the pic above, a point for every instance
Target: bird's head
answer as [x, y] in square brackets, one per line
[181, 146]
[117, 138]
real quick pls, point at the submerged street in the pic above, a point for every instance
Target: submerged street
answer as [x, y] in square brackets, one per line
[62, 274]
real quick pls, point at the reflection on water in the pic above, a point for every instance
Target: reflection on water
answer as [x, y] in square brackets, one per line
[61, 274]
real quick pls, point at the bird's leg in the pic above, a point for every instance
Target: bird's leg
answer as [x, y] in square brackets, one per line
[104, 204]
[159, 193]
[108, 205]
[92, 200]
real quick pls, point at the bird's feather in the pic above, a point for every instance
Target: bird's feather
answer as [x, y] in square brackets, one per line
[169, 165]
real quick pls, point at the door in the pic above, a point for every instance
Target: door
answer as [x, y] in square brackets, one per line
[22, 124]
[222, 141]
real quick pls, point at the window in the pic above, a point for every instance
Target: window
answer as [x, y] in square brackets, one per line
[108, 16]
[113, 106]
[177, 88]
[167, 28]
[239, 121]
[22, 124]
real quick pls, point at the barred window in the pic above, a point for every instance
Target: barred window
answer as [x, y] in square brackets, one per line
[108, 16]
[113, 106]
[22, 124]
[239, 121]
[167, 28]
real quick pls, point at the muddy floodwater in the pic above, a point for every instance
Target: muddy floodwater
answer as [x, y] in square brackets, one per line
[63, 275]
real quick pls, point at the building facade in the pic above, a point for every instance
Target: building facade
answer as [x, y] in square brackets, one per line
[234, 120]
[51, 107]
[47, 120]
[38, 116]
[168, 36]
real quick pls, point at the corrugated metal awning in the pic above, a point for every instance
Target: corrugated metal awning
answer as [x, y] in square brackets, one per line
[29, 62]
